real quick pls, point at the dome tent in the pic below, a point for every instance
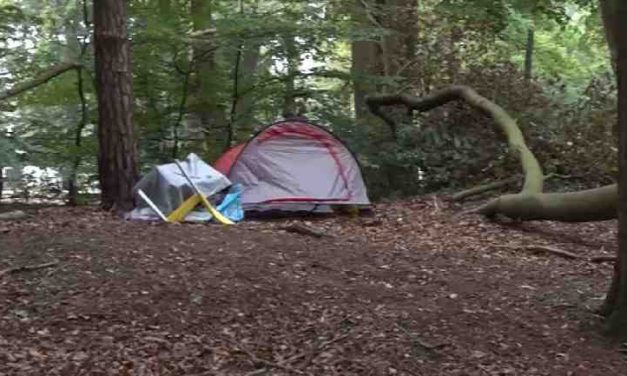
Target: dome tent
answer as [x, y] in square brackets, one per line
[294, 166]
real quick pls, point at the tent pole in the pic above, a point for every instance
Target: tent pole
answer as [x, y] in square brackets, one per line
[152, 205]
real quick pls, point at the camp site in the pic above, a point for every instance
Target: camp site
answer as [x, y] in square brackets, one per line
[313, 187]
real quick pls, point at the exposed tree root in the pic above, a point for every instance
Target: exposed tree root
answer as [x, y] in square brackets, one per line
[530, 204]
[507, 125]
[562, 253]
[474, 191]
[583, 206]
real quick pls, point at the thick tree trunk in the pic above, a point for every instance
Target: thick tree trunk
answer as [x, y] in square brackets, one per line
[117, 154]
[616, 29]
[392, 54]
[1, 181]
[608, 13]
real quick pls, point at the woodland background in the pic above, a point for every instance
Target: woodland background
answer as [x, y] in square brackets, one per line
[208, 74]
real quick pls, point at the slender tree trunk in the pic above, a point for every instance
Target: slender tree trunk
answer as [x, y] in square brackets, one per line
[244, 111]
[78, 141]
[1, 181]
[293, 63]
[617, 322]
[529, 54]
[117, 154]
[244, 77]
[73, 186]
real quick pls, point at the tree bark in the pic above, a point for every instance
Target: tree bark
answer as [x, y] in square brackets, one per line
[117, 154]
[608, 12]
[616, 29]
[390, 54]
[364, 60]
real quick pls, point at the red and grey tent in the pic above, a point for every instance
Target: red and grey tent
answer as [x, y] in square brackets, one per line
[294, 165]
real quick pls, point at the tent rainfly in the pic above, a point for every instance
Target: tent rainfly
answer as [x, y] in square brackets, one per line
[294, 166]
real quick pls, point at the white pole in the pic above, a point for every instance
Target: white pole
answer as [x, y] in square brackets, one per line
[152, 205]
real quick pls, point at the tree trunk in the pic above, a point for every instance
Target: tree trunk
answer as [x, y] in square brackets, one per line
[387, 50]
[73, 187]
[365, 58]
[293, 63]
[529, 54]
[82, 44]
[608, 12]
[117, 153]
[1, 181]
[616, 29]
[210, 119]
[244, 109]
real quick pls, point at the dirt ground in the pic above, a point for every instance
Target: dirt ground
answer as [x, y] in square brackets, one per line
[415, 290]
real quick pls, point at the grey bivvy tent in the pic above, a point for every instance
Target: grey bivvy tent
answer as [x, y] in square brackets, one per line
[168, 188]
[294, 166]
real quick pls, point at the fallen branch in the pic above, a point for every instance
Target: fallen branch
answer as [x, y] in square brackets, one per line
[602, 259]
[40, 79]
[561, 253]
[17, 269]
[554, 251]
[303, 229]
[484, 188]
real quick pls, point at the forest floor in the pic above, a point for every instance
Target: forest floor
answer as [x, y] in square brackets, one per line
[415, 290]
